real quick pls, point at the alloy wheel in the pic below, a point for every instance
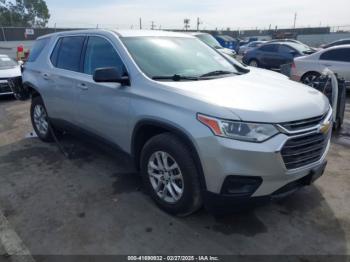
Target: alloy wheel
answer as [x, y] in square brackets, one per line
[165, 177]
[253, 63]
[310, 80]
[40, 119]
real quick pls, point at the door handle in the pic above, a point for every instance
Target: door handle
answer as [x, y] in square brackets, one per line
[83, 86]
[46, 76]
[328, 65]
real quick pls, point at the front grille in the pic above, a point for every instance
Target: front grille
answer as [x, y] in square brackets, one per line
[304, 150]
[302, 124]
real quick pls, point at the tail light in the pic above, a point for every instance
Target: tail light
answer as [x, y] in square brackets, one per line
[293, 65]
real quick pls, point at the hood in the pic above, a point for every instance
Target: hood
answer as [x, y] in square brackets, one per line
[260, 72]
[258, 96]
[10, 72]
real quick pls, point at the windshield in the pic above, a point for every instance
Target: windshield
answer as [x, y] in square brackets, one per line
[6, 62]
[169, 56]
[209, 40]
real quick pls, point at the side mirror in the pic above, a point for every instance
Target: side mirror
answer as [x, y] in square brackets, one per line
[110, 75]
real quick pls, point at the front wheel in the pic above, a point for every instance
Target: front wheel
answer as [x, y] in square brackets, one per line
[254, 63]
[170, 175]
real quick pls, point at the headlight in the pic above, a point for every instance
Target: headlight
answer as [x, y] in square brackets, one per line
[244, 131]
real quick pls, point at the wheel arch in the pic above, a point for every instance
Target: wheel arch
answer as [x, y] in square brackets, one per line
[148, 128]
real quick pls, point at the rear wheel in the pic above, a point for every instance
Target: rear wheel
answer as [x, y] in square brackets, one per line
[254, 63]
[310, 78]
[170, 175]
[40, 120]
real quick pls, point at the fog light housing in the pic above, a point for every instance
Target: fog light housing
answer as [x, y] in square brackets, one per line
[241, 186]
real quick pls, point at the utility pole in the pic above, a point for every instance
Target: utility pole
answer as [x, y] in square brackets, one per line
[153, 25]
[187, 23]
[199, 22]
[140, 22]
[295, 20]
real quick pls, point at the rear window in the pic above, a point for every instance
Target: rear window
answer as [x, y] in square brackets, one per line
[67, 53]
[37, 49]
[340, 55]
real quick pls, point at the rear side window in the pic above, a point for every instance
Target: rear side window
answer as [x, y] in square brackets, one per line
[285, 49]
[54, 55]
[37, 49]
[340, 55]
[269, 48]
[100, 53]
[67, 53]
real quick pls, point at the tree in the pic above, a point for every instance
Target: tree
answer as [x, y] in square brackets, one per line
[27, 13]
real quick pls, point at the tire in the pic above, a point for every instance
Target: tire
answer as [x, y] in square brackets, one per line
[39, 119]
[254, 63]
[310, 78]
[176, 152]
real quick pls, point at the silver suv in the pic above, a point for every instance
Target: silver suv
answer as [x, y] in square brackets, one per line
[202, 128]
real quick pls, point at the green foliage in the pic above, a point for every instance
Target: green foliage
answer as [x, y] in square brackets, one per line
[27, 13]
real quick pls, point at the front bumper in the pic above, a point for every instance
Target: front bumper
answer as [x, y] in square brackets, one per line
[220, 202]
[223, 157]
[5, 88]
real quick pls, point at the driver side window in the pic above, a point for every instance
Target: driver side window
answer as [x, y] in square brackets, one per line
[100, 53]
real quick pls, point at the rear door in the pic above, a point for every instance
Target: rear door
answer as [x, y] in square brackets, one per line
[285, 54]
[103, 108]
[64, 78]
[268, 55]
[337, 60]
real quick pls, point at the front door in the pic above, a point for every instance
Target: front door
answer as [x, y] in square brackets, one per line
[103, 108]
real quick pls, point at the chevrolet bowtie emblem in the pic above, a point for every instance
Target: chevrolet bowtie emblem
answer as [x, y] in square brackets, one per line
[324, 128]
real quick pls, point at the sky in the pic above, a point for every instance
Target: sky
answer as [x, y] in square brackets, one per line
[235, 14]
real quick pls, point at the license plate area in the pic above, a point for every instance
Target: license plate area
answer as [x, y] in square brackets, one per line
[316, 173]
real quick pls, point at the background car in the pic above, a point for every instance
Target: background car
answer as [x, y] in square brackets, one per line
[336, 43]
[308, 68]
[211, 41]
[247, 47]
[273, 55]
[293, 41]
[227, 41]
[9, 68]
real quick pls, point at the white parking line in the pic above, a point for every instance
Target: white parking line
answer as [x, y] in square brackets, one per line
[12, 243]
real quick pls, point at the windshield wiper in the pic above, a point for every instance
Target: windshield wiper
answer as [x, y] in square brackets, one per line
[218, 73]
[175, 77]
